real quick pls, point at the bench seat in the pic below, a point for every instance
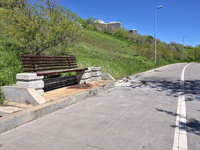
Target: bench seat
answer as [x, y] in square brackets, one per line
[43, 73]
[48, 65]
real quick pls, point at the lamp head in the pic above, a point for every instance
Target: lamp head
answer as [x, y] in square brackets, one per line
[159, 7]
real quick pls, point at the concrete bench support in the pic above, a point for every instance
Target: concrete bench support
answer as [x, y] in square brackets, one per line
[22, 95]
[96, 73]
[31, 80]
[92, 74]
[84, 77]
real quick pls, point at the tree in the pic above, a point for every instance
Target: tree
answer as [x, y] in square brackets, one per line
[40, 27]
[12, 4]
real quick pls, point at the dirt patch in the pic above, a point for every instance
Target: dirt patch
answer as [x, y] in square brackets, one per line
[73, 89]
[80, 86]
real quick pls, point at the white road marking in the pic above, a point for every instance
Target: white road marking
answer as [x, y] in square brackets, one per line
[180, 134]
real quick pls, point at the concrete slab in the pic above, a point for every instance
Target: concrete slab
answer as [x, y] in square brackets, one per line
[120, 142]
[29, 140]
[8, 110]
[154, 146]
[52, 143]
[22, 95]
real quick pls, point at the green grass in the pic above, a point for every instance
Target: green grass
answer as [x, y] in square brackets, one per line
[1, 98]
[9, 66]
[116, 56]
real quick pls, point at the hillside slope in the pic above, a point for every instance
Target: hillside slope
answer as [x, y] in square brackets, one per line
[116, 56]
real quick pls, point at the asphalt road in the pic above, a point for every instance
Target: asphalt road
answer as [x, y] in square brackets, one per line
[160, 112]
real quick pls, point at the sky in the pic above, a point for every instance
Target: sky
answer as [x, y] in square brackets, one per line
[174, 20]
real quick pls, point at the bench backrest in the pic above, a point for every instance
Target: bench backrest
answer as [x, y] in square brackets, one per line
[33, 63]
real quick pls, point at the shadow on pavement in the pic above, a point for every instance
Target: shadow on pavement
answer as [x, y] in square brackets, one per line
[191, 88]
[193, 125]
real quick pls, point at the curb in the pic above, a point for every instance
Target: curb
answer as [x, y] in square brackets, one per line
[14, 120]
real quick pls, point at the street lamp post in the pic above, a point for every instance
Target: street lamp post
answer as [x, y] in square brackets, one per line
[183, 46]
[155, 30]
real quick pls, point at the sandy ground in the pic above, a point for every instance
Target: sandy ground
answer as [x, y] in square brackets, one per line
[66, 91]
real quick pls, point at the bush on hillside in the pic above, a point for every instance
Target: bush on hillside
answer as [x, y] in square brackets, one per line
[41, 27]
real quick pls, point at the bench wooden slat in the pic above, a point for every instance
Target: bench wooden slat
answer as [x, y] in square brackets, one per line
[52, 59]
[35, 56]
[55, 62]
[48, 65]
[61, 71]
[41, 69]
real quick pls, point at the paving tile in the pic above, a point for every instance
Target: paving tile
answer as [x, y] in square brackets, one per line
[12, 135]
[51, 144]
[69, 133]
[112, 124]
[123, 143]
[34, 124]
[143, 123]
[7, 147]
[193, 141]
[79, 146]
[132, 132]
[153, 146]
[95, 138]
[97, 117]
[163, 127]
[50, 129]
[85, 124]
[28, 141]
[156, 136]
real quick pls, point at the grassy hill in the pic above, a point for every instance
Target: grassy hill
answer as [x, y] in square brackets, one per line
[116, 56]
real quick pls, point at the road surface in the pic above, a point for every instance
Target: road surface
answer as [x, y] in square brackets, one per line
[158, 111]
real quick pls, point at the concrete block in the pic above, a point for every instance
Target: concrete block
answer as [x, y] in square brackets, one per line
[96, 74]
[93, 92]
[80, 96]
[22, 95]
[8, 110]
[40, 91]
[86, 81]
[83, 75]
[96, 78]
[37, 84]
[95, 68]
[89, 70]
[28, 76]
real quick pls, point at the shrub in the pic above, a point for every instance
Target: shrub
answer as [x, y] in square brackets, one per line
[40, 27]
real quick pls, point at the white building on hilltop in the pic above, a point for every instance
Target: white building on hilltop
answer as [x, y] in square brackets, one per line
[107, 26]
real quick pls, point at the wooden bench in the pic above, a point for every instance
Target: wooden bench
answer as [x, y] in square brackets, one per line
[48, 65]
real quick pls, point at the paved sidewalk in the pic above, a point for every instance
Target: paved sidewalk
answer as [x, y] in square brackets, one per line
[129, 116]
